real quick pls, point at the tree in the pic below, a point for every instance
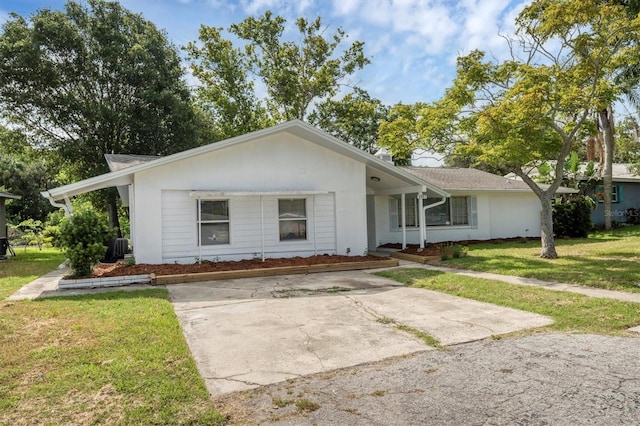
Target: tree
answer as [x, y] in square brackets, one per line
[295, 74]
[227, 93]
[402, 132]
[24, 171]
[354, 119]
[94, 80]
[518, 113]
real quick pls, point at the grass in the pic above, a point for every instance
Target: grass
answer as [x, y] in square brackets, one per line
[26, 267]
[113, 358]
[570, 312]
[609, 260]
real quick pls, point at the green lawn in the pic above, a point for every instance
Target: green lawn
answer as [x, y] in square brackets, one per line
[608, 260]
[26, 267]
[571, 312]
[113, 358]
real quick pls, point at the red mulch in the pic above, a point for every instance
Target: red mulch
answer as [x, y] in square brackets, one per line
[119, 269]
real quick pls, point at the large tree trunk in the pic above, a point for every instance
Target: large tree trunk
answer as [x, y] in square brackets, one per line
[546, 229]
[606, 122]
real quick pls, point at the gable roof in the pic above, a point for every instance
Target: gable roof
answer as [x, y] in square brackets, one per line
[122, 161]
[460, 179]
[124, 175]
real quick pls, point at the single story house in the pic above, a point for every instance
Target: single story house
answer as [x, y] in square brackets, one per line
[626, 195]
[293, 190]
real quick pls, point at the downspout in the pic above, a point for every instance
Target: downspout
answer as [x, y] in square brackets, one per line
[68, 209]
[423, 218]
[262, 228]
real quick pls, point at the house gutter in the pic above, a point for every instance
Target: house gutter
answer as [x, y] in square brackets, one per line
[68, 209]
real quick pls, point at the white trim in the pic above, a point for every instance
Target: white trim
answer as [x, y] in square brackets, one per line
[294, 127]
[217, 194]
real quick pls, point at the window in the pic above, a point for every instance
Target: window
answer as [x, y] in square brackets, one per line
[213, 222]
[615, 193]
[459, 211]
[292, 216]
[456, 211]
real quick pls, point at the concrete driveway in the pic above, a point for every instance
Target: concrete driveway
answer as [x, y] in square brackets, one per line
[253, 332]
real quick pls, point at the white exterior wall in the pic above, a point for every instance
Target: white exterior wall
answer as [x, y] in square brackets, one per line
[165, 215]
[499, 215]
[515, 215]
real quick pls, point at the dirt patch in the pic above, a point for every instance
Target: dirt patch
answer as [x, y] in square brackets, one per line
[119, 269]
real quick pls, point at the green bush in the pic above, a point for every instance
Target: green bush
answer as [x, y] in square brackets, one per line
[84, 238]
[572, 218]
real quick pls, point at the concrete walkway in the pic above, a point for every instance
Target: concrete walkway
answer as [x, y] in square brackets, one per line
[47, 286]
[532, 282]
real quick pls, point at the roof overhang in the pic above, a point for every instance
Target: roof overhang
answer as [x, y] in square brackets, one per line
[8, 196]
[394, 177]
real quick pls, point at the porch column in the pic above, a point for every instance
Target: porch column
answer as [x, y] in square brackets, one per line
[403, 220]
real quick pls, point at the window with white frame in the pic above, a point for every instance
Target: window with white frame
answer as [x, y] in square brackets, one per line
[615, 193]
[213, 222]
[292, 218]
[456, 211]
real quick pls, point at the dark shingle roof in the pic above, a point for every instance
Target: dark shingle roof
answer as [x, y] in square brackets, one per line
[122, 161]
[453, 179]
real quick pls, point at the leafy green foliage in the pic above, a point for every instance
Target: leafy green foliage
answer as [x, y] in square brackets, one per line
[83, 237]
[518, 113]
[355, 119]
[94, 79]
[572, 218]
[295, 73]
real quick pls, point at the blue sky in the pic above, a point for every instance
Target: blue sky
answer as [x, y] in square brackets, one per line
[413, 43]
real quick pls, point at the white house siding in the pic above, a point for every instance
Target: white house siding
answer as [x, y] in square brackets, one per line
[280, 162]
[499, 215]
[180, 236]
[515, 215]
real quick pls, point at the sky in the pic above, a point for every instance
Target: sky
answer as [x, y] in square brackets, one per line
[413, 44]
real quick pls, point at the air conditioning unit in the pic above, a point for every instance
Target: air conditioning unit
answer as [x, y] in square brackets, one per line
[121, 248]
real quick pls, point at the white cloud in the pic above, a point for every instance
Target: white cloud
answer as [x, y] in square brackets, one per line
[252, 7]
[4, 17]
[428, 24]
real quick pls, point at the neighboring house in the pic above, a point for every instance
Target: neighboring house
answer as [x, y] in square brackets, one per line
[293, 190]
[626, 191]
[626, 195]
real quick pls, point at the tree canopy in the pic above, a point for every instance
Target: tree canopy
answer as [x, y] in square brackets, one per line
[518, 113]
[91, 80]
[293, 76]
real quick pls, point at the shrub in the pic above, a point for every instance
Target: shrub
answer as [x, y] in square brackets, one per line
[83, 237]
[572, 218]
[633, 216]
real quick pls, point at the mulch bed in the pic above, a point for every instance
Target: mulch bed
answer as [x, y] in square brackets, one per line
[119, 269]
[437, 249]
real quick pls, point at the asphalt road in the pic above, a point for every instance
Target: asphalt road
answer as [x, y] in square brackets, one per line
[543, 379]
